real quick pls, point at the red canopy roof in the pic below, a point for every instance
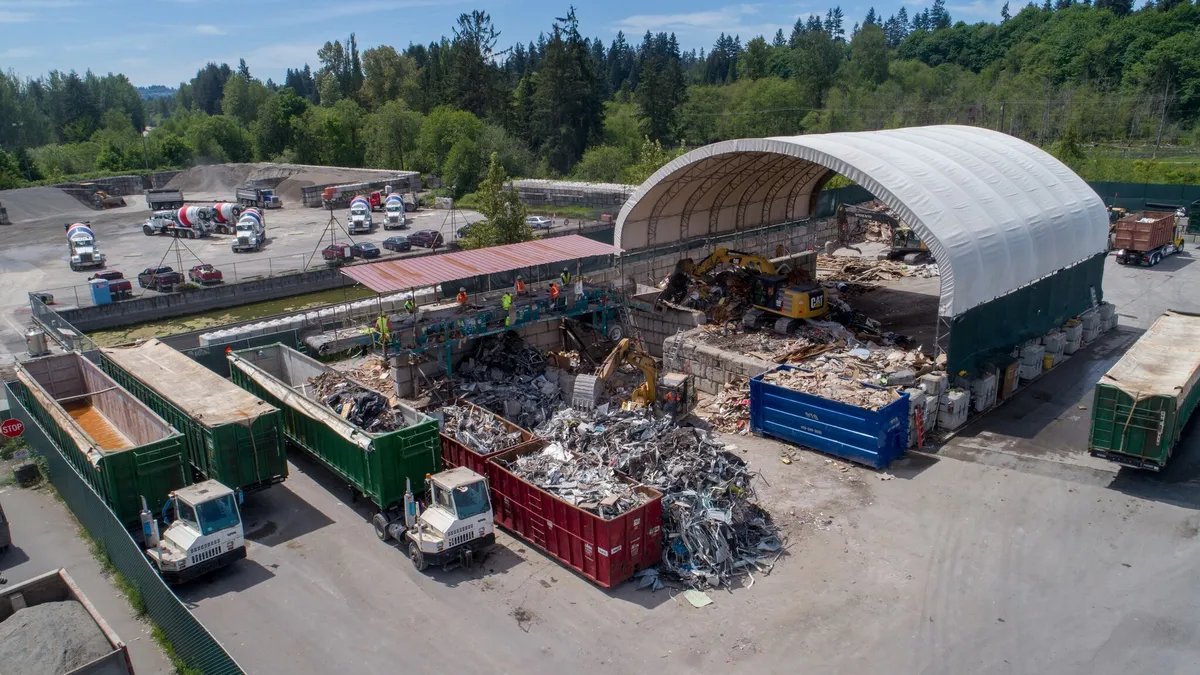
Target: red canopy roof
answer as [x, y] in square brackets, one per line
[423, 271]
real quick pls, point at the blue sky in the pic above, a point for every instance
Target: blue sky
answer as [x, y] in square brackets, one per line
[166, 41]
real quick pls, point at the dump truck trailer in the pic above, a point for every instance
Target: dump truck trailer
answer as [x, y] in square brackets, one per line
[377, 465]
[231, 436]
[1146, 237]
[1143, 403]
[53, 599]
[117, 443]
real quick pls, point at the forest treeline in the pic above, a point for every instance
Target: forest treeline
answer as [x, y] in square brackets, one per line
[1067, 76]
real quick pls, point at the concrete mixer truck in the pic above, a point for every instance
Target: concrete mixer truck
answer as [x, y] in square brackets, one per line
[188, 222]
[251, 231]
[225, 217]
[394, 218]
[81, 244]
[360, 216]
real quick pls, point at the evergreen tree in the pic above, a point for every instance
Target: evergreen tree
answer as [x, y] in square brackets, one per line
[661, 90]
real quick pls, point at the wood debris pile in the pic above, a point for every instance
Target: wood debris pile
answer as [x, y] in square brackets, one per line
[729, 411]
[832, 386]
[851, 269]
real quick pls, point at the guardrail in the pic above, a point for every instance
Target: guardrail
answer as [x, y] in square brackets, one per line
[59, 329]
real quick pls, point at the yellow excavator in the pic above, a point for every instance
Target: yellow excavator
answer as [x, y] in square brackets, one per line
[673, 392]
[777, 299]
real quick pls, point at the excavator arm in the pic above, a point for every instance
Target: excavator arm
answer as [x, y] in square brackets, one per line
[749, 261]
[627, 351]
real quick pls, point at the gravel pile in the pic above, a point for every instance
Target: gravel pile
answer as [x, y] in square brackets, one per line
[50, 639]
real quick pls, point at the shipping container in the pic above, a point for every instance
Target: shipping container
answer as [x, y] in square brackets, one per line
[606, 551]
[231, 436]
[1143, 402]
[1144, 231]
[376, 465]
[456, 453]
[117, 443]
[58, 586]
[870, 437]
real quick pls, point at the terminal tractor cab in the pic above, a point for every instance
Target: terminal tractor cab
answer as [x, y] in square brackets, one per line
[204, 532]
[455, 528]
[672, 394]
[778, 300]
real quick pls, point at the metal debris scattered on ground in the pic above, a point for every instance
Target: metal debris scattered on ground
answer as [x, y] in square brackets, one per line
[507, 377]
[362, 407]
[480, 430]
[712, 530]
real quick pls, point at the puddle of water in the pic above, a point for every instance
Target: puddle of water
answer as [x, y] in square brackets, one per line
[221, 317]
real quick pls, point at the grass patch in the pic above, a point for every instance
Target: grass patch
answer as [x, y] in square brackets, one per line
[161, 639]
[11, 446]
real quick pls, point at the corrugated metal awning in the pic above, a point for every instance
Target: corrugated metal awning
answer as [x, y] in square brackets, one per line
[420, 272]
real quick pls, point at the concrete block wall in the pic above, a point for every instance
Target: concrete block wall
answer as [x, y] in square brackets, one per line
[657, 327]
[712, 367]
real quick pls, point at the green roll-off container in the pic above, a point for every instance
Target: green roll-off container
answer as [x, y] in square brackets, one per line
[1143, 402]
[116, 442]
[231, 436]
[376, 465]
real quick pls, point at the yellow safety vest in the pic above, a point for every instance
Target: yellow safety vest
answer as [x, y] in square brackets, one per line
[566, 278]
[506, 301]
[383, 326]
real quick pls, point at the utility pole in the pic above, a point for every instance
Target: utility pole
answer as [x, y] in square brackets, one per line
[145, 150]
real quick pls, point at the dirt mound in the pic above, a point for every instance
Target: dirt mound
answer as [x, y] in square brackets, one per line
[217, 179]
[40, 203]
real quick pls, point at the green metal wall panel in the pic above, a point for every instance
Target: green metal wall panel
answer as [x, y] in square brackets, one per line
[1144, 429]
[1023, 315]
[238, 457]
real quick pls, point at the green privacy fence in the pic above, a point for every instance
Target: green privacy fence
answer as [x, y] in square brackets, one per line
[1024, 314]
[191, 641]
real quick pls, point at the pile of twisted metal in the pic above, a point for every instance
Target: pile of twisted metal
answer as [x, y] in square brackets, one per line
[713, 531]
[480, 430]
[507, 377]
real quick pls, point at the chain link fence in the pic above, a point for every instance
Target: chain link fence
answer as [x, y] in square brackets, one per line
[188, 637]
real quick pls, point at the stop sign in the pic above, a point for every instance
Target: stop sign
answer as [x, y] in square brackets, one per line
[11, 428]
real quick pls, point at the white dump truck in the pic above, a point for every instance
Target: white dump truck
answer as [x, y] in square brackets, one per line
[454, 528]
[251, 232]
[394, 218]
[204, 532]
[360, 216]
[81, 245]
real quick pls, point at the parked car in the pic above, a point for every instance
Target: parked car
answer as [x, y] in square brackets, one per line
[539, 222]
[400, 243]
[118, 285]
[159, 278]
[365, 249]
[205, 273]
[426, 238]
[337, 254]
[464, 230]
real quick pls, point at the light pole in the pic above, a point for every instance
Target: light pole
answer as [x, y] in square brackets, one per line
[145, 151]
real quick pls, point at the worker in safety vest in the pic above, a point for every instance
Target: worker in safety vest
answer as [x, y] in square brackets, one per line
[519, 286]
[410, 306]
[554, 295]
[566, 277]
[383, 327]
[462, 296]
[506, 301]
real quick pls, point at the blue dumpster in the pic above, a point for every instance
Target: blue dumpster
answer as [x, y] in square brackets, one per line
[871, 437]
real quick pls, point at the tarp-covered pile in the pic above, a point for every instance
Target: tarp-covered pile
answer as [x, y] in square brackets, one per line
[362, 407]
[713, 530]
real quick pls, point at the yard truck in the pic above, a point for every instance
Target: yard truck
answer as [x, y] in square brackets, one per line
[134, 460]
[1143, 403]
[383, 467]
[1146, 237]
[230, 435]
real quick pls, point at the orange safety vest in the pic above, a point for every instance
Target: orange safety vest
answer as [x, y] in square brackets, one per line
[520, 286]
[553, 291]
[462, 297]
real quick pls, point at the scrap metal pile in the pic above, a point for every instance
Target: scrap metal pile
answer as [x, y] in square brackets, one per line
[712, 529]
[507, 377]
[480, 430]
[356, 404]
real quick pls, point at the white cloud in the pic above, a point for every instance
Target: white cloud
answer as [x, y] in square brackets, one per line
[746, 21]
[17, 53]
[15, 17]
[209, 29]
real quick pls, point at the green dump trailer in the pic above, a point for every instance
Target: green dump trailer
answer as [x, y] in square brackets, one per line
[375, 465]
[231, 436]
[1143, 403]
[116, 442]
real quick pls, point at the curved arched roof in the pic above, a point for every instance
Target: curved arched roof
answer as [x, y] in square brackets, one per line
[996, 212]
